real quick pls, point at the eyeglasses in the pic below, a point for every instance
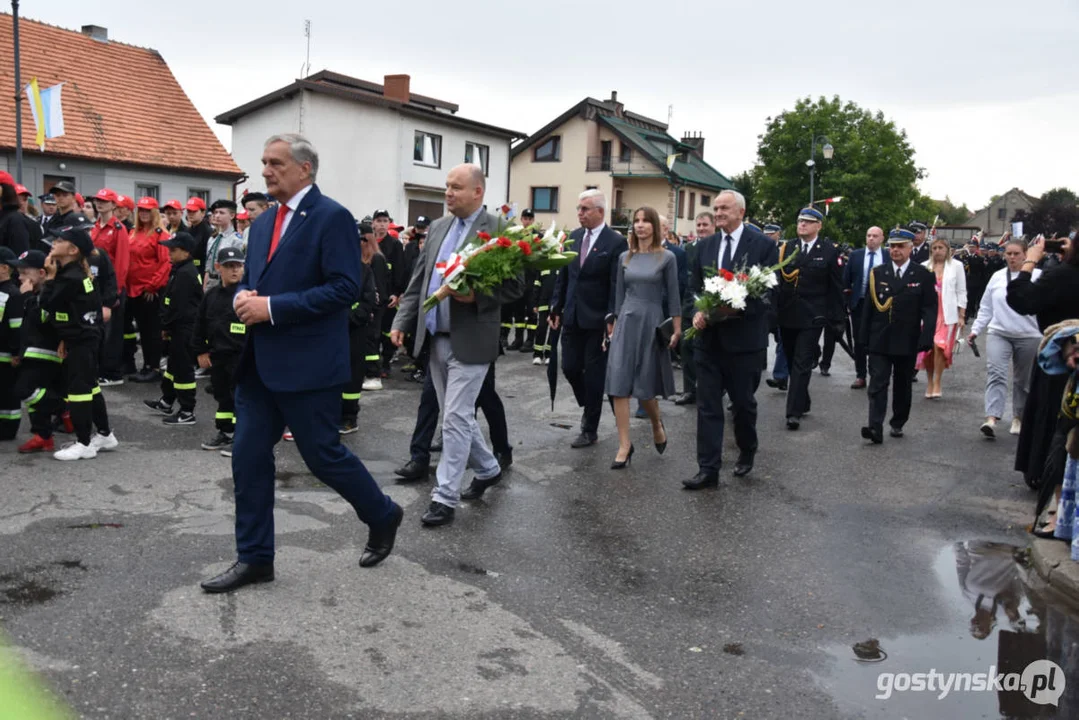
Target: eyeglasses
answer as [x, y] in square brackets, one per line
[584, 208]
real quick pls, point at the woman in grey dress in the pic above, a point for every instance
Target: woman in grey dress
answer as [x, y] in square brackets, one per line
[646, 294]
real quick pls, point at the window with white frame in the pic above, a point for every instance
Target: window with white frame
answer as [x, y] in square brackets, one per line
[427, 149]
[146, 190]
[476, 154]
[545, 199]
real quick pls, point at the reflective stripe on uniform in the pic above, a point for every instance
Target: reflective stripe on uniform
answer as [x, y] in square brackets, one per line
[33, 353]
[372, 358]
[168, 376]
[35, 397]
[543, 308]
[5, 357]
[507, 326]
[224, 416]
[544, 272]
[131, 336]
[83, 398]
[184, 386]
[61, 317]
[15, 414]
[385, 334]
[15, 323]
[530, 327]
[350, 396]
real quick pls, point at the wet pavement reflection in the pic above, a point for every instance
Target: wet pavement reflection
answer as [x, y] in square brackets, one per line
[989, 624]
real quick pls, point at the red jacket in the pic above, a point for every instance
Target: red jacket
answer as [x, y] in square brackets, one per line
[149, 263]
[112, 238]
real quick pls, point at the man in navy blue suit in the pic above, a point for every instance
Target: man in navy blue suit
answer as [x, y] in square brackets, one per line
[302, 276]
[855, 279]
[583, 303]
[731, 348]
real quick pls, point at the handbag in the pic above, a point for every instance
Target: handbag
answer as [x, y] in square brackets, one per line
[664, 332]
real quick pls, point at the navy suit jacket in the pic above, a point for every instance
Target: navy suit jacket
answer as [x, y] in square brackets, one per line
[312, 280]
[584, 295]
[748, 331]
[683, 269]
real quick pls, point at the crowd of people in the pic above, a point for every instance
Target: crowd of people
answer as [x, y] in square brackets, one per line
[87, 287]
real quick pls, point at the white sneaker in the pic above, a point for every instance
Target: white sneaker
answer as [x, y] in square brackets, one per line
[988, 427]
[537, 360]
[101, 442]
[546, 361]
[226, 453]
[372, 384]
[76, 451]
[1017, 426]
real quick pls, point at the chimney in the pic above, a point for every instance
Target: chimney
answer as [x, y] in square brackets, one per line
[696, 141]
[96, 32]
[618, 107]
[396, 88]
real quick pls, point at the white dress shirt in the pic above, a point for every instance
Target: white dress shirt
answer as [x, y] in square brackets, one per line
[734, 238]
[808, 244]
[595, 233]
[901, 270]
[866, 267]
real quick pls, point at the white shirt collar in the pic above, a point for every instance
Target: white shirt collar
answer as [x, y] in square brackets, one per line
[735, 236]
[901, 269]
[810, 243]
[595, 231]
[296, 199]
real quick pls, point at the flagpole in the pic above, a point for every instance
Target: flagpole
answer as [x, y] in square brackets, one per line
[18, 94]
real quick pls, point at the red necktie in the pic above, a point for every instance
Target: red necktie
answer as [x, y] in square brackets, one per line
[279, 221]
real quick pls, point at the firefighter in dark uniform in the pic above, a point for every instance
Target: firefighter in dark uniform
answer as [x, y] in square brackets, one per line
[364, 330]
[73, 307]
[920, 252]
[394, 254]
[898, 322]
[218, 340]
[39, 382]
[528, 219]
[810, 298]
[179, 310]
[542, 292]
[517, 315]
[11, 319]
[830, 337]
[977, 279]
[382, 279]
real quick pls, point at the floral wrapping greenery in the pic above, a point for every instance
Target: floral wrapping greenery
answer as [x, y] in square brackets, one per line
[490, 259]
[728, 291]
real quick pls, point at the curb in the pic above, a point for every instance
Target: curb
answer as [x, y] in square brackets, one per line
[1052, 561]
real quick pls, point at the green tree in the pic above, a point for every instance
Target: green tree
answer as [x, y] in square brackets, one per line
[943, 211]
[1057, 211]
[872, 169]
[746, 183]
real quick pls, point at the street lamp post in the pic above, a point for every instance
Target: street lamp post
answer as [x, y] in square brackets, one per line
[827, 150]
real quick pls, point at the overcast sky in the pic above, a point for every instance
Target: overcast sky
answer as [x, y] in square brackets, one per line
[987, 91]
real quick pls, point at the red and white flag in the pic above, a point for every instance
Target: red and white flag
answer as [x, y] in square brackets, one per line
[828, 202]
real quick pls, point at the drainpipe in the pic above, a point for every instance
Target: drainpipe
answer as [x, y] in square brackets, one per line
[243, 178]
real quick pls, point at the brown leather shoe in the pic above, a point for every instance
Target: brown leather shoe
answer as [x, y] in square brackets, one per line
[858, 384]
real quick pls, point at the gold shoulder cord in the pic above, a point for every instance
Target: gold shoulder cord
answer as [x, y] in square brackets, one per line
[881, 307]
[792, 276]
[1069, 403]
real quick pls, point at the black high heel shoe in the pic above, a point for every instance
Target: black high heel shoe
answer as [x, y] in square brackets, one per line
[621, 464]
[661, 447]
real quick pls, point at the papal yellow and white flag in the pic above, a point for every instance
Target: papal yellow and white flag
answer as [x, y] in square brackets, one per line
[670, 161]
[47, 110]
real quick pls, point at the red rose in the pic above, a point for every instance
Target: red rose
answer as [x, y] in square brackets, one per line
[526, 247]
[483, 236]
[504, 242]
[742, 277]
[726, 274]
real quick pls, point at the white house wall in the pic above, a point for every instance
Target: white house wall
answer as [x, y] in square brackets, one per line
[250, 133]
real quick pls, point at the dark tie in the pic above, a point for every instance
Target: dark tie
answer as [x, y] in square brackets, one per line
[805, 248]
[725, 263]
[899, 273]
[584, 246]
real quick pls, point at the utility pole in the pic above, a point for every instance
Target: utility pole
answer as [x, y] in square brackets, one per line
[18, 94]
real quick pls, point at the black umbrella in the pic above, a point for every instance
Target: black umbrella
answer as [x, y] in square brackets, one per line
[846, 339]
[552, 362]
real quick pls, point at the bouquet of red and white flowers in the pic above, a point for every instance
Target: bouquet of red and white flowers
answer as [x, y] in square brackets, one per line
[726, 292]
[491, 259]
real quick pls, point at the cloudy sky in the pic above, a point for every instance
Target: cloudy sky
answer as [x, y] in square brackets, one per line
[988, 92]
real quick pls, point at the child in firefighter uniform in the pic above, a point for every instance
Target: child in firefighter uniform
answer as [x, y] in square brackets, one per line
[11, 314]
[179, 310]
[380, 278]
[39, 382]
[363, 340]
[72, 306]
[218, 341]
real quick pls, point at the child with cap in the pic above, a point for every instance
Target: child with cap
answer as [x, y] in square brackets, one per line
[39, 382]
[179, 311]
[72, 306]
[11, 313]
[218, 340]
[363, 335]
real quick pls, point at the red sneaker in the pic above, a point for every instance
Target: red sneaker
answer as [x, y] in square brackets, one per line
[37, 444]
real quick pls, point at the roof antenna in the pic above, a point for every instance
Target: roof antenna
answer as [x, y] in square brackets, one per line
[670, 114]
[307, 63]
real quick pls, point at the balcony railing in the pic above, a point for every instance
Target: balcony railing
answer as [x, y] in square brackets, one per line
[598, 163]
[631, 164]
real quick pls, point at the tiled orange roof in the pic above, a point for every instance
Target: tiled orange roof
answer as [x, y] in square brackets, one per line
[99, 123]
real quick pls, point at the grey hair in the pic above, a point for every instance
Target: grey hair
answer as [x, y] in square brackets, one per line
[599, 197]
[300, 148]
[739, 198]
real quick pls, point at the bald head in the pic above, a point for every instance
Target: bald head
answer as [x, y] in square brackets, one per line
[465, 186]
[874, 236]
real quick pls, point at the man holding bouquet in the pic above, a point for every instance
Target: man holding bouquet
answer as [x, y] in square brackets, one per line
[463, 332]
[732, 345]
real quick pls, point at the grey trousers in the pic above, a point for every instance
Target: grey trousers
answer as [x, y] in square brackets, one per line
[1001, 352]
[457, 385]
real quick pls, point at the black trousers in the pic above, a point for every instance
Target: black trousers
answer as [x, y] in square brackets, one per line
[146, 316]
[738, 375]
[111, 356]
[223, 384]
[178, 382]
[882, 369]
[370, 346]
[515, 318]
[427, 419]
[540, 347]
[861, 351]
[85, 402]
[10, 402]
[584, 363]
[828, 350]
[39, 383]
[353, 390]
[802, 348]
[689, 360]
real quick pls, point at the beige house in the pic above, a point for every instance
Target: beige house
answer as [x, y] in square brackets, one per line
[598, 144]
[996, 218]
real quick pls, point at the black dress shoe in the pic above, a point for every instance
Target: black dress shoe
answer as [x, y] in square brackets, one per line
[858, 384]
[777, 384]
[744, 464]
[505, 458]
[874, 434]
[412, 471]
[825, 372]
[380, 540]
[662, 447]
[701, 480]
[237, 576]
[686, 399]
[478, 487]
[623, 464]
[437, 514]
[793, 423]
[583, 440]
[896, 432]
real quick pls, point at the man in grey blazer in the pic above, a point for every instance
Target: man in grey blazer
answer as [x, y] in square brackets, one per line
[463, 335]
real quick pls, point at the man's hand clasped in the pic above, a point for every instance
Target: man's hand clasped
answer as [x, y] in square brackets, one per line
[251, 308]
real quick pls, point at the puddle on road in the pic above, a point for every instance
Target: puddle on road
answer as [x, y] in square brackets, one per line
[996, 620]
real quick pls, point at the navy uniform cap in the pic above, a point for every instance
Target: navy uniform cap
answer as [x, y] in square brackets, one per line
[77, 236]
[771, 228]
[811, 214]
[755, 226]
[230, 255]
[182, 240]
[918, 227]
[32, 259]
[47, 198]
[900, 236]
[422, 221]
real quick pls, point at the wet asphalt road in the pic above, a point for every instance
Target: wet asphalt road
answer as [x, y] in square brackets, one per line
[570, 590]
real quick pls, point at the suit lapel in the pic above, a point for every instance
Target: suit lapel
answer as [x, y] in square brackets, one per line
[432, 247]
[299, 217]
[743, 249]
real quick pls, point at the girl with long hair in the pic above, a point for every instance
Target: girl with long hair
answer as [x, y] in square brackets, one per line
[951, 281]
[147, 276]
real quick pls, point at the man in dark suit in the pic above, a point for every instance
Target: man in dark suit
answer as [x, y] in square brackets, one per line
[855, 281]
[303, 273]
[810, 298]
[463, 334]
[732, 349]
[582, 303]
[920, 251]
[899, 320]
